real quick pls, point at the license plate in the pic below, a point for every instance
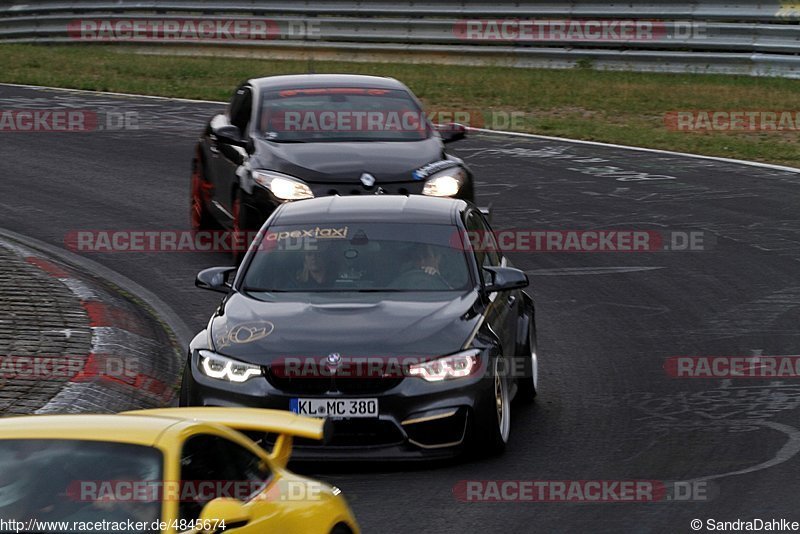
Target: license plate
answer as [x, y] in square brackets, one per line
[336, 408]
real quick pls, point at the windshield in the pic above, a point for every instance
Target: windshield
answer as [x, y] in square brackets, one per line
[341, 114]
[358, 257]
[71, 480]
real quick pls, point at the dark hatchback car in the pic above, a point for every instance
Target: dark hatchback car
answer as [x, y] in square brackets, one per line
[378, 313]
[286, 138]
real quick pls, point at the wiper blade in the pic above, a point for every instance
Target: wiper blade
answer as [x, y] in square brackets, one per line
[262, 290]
[380, 290]
[338, 290]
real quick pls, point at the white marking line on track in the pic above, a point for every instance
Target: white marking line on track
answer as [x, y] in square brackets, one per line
[785, 453]
[111, 93]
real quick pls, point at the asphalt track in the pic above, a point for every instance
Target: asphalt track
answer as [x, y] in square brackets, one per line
[607, 321]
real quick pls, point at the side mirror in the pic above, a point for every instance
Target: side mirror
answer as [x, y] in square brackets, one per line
[451, 132]
[229, 135]
[215, 279]
[224, 510]
[504, 279]
[488, 213]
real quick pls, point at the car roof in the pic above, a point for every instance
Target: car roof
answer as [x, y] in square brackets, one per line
[135, 429]
[303, 81]
[371, 208]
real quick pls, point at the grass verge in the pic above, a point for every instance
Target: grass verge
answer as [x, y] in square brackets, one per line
[615, 107]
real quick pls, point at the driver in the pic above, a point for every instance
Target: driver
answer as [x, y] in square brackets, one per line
[428, 260]
[423, 270]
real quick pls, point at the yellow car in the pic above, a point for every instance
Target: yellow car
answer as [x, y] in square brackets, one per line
[164, 470]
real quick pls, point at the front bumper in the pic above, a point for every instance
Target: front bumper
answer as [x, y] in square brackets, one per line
[417, 419]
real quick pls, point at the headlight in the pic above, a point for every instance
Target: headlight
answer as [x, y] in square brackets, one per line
[446, 368]
[282, 186]
[445, 184]
[223, 368]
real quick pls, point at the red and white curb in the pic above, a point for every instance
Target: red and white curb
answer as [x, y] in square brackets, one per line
[126, 367]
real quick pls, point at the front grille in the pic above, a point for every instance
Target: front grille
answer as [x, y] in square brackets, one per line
[299, 385]
[313, 385]
[356, 188]
[362, 386]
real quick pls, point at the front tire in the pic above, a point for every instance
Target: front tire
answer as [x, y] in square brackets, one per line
[201, 219]
[492, 440]
[528, 384]
[183, 396]
[243, 227]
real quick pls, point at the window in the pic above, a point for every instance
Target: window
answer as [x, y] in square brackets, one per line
[215, 460]
[77, 480]
[322, 114]
[487, 252]
[357, 257]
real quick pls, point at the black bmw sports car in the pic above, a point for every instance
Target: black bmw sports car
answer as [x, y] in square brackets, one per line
[382, 313]
[286, 138]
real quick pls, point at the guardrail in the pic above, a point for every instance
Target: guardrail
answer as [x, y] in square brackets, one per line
[756, 37]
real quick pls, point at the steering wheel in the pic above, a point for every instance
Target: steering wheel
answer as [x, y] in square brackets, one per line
[418, 279]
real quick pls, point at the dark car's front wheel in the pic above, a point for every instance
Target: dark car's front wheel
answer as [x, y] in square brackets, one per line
[201, 219]
[491, 426]
[244, 225]
[183, 396]
[528, 383]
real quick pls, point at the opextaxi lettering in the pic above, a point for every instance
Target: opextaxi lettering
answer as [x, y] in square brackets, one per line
[318, 233]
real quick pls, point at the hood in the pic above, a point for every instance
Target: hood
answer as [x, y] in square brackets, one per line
[345, 162]
[362, 325]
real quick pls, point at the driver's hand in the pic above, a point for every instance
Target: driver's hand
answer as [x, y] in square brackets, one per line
[430, 270]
